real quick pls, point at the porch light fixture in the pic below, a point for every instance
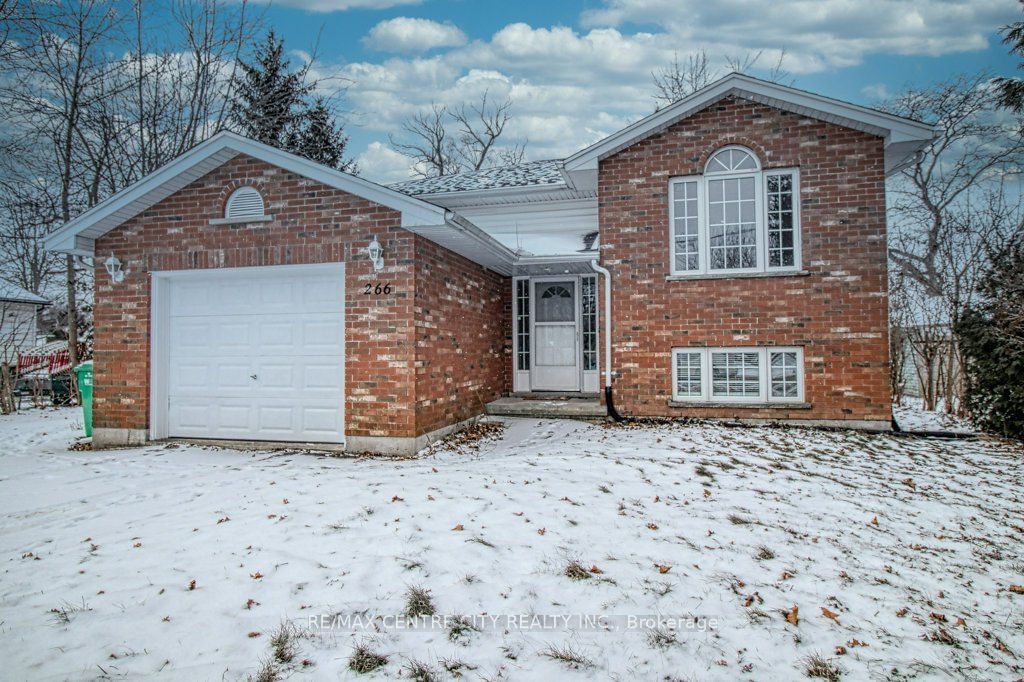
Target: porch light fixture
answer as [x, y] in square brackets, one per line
[113, 266]
[375, 251]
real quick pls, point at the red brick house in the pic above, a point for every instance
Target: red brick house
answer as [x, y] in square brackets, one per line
[737, 237]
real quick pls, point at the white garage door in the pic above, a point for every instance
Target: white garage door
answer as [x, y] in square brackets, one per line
[256, 353]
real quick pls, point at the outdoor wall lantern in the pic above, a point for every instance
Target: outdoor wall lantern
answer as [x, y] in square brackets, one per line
[114, 269]
[375, 251]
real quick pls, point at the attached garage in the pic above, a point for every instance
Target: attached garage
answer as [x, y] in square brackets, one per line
[247, 294]
[250, 353]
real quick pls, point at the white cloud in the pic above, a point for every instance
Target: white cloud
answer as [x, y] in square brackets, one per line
[571, 87]
[382, 164]
[817, 34]
[338, 5]
[876, 91]
[408, 34]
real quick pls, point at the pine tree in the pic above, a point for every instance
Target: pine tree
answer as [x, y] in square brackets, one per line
[271, 105]
[269, 98]
[1011, 90]
[320, 139]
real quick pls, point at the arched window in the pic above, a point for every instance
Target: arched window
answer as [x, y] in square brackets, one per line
[244, 202]
[735, 218]
[731, 159]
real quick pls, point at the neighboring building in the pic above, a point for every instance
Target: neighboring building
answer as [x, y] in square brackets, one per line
[19, 325]
[739, 233]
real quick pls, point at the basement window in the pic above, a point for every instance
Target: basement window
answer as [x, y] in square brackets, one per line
[741, 375]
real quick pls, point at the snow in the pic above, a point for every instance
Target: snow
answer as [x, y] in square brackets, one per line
[911, 416]
[887, 533]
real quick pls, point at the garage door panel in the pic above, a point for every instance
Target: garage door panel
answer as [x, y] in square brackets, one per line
[190, 376]
[256, 356]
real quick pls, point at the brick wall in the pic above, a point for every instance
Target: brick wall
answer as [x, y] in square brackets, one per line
[463, 344]
[312, 223]
[838, 312]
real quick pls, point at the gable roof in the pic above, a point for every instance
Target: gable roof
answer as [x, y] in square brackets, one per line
[903, 136]
[16, 294]
[429, 220]
[526, 174]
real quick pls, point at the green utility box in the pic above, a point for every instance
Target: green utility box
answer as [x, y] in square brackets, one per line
[84, 374]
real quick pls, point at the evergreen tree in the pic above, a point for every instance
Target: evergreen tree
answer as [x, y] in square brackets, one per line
[319, 139]
[1011, 90]
[992, 339]
[272, 104]
[269, 99]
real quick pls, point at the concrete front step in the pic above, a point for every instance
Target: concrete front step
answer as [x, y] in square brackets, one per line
[567, 408]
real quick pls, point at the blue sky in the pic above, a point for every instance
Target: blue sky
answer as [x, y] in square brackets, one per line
[577, 71]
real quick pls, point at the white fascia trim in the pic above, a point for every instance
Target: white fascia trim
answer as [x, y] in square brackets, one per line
[893, 128]
[414, 211]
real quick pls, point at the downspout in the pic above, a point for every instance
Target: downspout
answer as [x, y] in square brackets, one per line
[609, 402]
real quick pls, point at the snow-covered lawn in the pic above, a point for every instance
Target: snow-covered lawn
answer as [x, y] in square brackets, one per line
[911, 416]
[894, 558]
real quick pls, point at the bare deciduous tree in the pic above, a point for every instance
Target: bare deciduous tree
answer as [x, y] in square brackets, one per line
[950, 208]
[447, 140]
[96, 94]
[679, 79]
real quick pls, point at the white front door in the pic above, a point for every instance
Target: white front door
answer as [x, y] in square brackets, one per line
[255, 353]
[556, 355]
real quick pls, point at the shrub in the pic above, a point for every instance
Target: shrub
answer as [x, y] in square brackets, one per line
[991, 336]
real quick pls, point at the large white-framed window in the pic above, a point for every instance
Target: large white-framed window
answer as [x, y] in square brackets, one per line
[735, 218]
[770, 374]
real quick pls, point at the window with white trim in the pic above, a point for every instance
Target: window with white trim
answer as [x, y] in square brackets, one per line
[741, 375]
[735, 218]
[244, 202]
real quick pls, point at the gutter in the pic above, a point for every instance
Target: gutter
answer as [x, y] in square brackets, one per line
[608, 399]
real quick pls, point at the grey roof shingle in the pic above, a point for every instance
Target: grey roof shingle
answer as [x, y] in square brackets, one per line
[530, 173]
[12, 292]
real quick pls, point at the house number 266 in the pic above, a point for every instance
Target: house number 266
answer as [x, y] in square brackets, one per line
[377, 289]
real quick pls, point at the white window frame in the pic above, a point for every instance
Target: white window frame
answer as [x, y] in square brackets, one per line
[760, 177]
[764, 375]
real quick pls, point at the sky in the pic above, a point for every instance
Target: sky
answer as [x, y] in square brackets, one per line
[577, 71]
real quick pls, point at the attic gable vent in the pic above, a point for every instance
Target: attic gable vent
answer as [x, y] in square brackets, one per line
[244, 202]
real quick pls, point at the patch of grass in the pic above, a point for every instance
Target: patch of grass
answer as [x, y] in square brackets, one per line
[764, 553]
[365, 660]
[66, 612]
[461, 628]
[455, 666]
[567, 655]
[737, 520]
[703, 471]
[661, 638]
[481, 541]
[470, 578]
[605, 489]
[574, 570]
[658, 587]
[756, 615]
[268, 672]
[409, 564]
[418, 602]
[284, 643]
[419, 671]
[816, 666]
